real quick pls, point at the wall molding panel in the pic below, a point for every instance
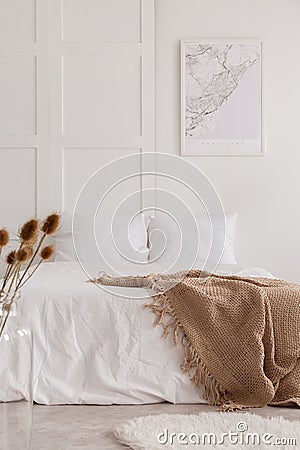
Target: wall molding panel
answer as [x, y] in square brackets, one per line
[101, 94]
[75, 76]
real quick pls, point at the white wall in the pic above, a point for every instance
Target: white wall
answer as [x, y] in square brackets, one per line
[55, 128]
[263, 190]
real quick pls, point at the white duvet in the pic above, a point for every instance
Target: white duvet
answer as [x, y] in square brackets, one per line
[91, 346]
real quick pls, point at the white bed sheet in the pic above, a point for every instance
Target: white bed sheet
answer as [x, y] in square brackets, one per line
[93, 346]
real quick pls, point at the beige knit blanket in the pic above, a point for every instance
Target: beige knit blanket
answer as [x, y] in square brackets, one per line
[241, 335]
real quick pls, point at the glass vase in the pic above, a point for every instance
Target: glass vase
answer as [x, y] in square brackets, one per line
[16, 356]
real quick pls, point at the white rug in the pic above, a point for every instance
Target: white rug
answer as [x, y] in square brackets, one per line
[209, 430]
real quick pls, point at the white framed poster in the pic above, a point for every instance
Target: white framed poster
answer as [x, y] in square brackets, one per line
[221, 99]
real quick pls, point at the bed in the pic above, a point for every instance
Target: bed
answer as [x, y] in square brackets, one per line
[94, 346]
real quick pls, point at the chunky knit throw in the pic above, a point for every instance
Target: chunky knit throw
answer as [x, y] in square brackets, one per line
[241, 335]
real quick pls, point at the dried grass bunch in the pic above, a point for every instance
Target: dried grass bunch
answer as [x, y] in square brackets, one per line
[23, 262]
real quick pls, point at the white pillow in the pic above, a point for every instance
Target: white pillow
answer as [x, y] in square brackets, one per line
[188, 242]
[119, 241]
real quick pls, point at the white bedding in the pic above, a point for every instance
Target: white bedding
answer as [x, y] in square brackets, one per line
[93, 346]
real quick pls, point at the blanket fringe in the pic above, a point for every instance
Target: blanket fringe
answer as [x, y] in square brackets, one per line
[192, 365]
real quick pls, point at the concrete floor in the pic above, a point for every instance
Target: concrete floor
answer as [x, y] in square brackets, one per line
[85, 427]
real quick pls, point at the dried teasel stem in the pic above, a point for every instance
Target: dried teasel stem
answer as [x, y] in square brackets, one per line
[31, 238]
[10, 260]
[10, 289]
[31, 261]
[14, 261]
[51, 224]
[23, 254]
[49, 227]
[29, 232]
[4, 238]
[6, 277]
[46, 253]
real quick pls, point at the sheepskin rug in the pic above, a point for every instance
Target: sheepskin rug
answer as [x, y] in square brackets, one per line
[209, 430]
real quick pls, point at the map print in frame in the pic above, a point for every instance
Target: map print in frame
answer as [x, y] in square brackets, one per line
[221, 97]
